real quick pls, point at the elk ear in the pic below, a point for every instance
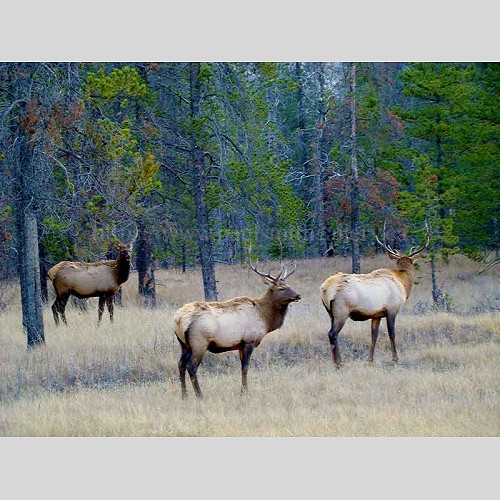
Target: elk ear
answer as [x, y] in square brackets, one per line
[267, 282]
[392, 256]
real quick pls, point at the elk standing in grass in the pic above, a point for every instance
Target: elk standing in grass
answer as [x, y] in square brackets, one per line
[375, 295]
[237, 324]
[97, 279]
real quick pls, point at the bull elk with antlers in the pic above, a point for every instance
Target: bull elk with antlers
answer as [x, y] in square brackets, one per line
[375, 295]
[96, 279]
[237, 324]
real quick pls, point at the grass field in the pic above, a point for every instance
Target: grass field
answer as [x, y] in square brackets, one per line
[121, 379]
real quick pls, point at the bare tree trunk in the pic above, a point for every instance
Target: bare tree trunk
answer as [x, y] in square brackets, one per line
[198, 175]
[145, 266]
[354, 179]
[301, 117]
[435, 288]
[25, 180]
[183, 256]
[319, 178]
[438, 296]
[29, 276]
[315, 187]
[144, 249]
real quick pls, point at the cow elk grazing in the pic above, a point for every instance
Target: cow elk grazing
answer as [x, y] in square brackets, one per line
[97, 279]
[375, 295]
[237, 324]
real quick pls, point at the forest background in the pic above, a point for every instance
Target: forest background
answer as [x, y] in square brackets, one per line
[205, 161]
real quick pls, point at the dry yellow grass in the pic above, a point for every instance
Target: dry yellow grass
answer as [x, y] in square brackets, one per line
[121, 379]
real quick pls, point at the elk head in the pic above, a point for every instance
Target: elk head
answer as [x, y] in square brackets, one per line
[404, 261]
[125, 251]
[281, 293]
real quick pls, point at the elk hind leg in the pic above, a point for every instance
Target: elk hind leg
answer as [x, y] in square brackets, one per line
[245, 352]
[55, 310]
[197, 353]
[59, 308]
[192, 368]
[391, 327]
[197, 345]
[183, 361]
[62, 310]
[337, 324]
[375, 326]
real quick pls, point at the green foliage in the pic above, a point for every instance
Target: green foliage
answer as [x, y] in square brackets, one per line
[121, 84]
[455, 118]
[55, 244]
[424, 205]
[276, 138]
[121, 136]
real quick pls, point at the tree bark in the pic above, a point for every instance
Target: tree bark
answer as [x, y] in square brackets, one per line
[25, 182]
[143, 244]
[183, 256]
[145, 266]
[198, 178]
[301, 117]
[354, 179]
[320, 174]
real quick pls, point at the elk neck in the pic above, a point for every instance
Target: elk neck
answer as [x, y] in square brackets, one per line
[122, 269]
[273, 313]
[406, 277]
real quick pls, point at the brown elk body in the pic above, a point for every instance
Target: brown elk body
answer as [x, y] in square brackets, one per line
[376, 295]
[237, 324]
[97, 279]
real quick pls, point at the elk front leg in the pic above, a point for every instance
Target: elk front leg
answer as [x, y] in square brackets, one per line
[100, 308]
[109, 303]
[391, 327]
[245, 352]
[375, 326]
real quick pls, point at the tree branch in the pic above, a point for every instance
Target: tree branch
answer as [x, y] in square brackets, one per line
[11, 107]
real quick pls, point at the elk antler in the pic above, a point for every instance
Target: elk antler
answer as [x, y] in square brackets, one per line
[283, 274]
[132, 241]
[387, 247]
[424, 246]
[267, 276]
[287, 273]
[284, 269]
